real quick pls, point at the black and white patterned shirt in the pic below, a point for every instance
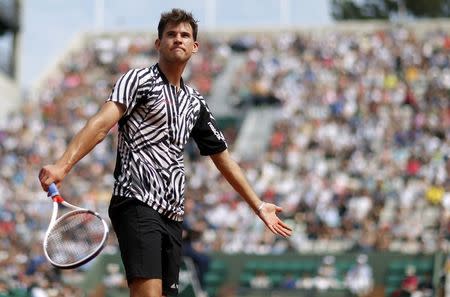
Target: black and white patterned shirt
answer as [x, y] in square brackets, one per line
[153, 131]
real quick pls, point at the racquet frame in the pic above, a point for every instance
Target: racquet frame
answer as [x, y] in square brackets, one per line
[53, 193]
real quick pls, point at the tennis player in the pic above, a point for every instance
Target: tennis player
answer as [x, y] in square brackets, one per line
[156, 114]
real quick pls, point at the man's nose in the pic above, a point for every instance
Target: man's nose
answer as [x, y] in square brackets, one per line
[178, 38]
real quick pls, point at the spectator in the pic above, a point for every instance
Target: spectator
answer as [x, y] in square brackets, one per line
[327, 274]
[306, 281]
[114, 278]
[359, 279]
[260, 281]
[288, 281]
[409, 284]
[192, 246]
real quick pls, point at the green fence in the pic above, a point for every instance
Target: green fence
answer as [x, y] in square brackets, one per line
[236, 271]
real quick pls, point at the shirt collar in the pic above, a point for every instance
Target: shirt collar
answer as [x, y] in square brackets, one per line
[164, 78]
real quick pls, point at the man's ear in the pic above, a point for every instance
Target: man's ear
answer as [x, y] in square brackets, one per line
[196, 45]
[157, 43]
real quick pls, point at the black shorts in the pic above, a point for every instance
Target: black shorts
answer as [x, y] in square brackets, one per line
[150, 244]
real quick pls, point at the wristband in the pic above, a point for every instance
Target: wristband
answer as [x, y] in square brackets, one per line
[261, 206]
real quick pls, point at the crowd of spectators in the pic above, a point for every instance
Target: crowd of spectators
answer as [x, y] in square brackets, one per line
[359, 158]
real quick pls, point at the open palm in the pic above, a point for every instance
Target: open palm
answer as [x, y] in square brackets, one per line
[268, 214]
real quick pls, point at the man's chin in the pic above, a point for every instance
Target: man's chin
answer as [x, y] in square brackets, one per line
[179, 59]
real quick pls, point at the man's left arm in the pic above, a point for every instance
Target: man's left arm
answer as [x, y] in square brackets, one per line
[266, 211]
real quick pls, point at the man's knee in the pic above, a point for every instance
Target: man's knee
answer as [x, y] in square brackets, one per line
[144, 287]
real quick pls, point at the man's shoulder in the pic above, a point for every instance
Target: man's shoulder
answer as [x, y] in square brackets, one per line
[194, 93]
[145, 76]
[145, 72]
[141, 73]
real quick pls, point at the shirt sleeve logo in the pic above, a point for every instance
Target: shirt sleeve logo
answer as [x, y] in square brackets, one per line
[218, 134]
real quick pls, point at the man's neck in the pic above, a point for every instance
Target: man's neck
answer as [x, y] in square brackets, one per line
[172, 72]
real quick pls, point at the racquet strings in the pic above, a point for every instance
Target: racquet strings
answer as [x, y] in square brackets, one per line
[75, 237]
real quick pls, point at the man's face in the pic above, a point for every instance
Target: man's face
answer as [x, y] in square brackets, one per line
[177, 43]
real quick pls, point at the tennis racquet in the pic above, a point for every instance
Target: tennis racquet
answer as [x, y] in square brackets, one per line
[75, 238]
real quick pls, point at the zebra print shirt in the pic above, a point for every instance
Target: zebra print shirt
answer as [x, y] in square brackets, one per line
[153, 131]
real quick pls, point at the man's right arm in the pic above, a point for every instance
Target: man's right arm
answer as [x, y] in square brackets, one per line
[84, 141]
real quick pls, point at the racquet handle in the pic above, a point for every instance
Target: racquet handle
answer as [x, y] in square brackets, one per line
[53, 193]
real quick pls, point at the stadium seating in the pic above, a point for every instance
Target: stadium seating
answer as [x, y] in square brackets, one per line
[216, 276]
[357, 155]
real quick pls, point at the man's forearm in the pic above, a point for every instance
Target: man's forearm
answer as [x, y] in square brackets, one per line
[267, 212]
[234, 175]
[83, 142]
[92, 133]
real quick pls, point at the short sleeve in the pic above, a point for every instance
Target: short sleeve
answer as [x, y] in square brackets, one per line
[206, 134]
[125, 89]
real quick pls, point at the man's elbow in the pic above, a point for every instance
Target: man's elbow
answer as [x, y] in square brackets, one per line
[99, 129]
[101, 135]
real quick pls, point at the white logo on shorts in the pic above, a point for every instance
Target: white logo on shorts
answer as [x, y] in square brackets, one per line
[174, 286]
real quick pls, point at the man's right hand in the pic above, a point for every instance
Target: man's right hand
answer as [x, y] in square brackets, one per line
[51, 174]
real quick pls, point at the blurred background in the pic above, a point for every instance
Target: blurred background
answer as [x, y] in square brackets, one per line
[338, 110]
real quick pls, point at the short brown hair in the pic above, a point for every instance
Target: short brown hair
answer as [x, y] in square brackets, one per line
[177, 16]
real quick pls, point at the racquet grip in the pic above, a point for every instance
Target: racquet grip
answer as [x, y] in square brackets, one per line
[53, 190]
